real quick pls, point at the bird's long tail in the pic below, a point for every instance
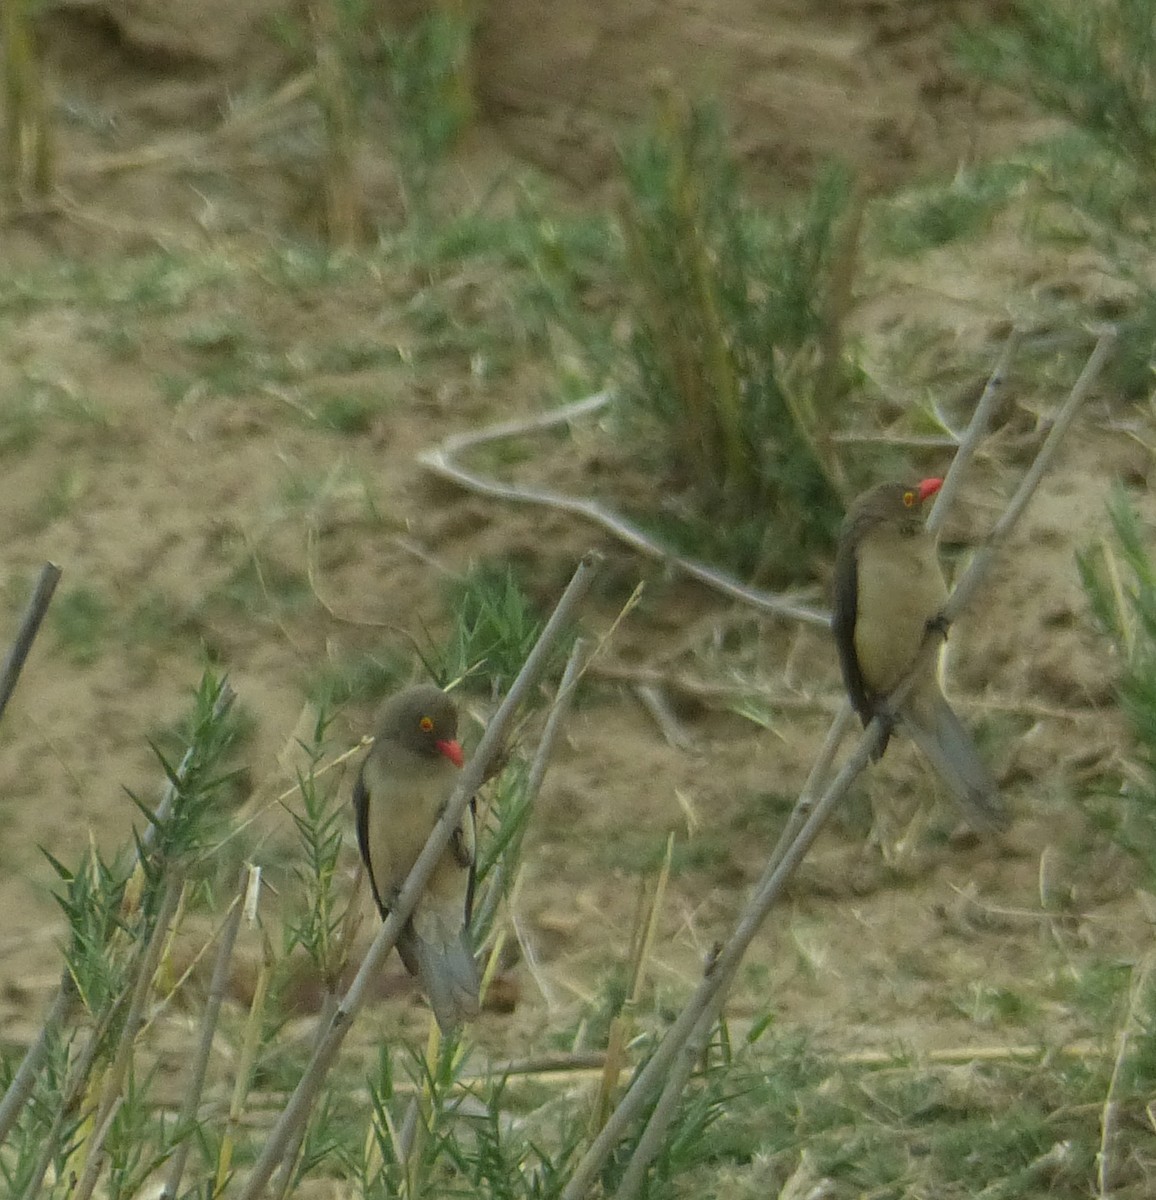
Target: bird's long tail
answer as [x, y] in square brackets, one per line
[443, 962]
[945, 741]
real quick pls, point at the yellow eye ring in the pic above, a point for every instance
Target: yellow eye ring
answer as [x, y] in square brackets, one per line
[908, 499]
[426, 724]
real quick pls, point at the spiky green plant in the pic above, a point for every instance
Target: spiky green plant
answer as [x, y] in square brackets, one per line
[1094, 65]
[429, 72]
[740, 369]
[494, 626]
[1119, 578]
[97, 1114]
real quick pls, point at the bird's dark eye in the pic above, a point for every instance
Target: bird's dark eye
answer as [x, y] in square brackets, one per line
[908, 499]
[426, 724]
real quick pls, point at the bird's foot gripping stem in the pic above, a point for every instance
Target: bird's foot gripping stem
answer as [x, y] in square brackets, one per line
[939, 624]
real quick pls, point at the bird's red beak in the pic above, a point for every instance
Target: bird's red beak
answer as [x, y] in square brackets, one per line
[453, 751]
[928, 488]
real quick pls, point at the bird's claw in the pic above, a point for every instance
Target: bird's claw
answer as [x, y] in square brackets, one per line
[938, 624]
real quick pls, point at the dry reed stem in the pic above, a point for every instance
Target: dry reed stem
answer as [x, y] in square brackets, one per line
[440, 460]
[284, 1180]
[1134, 1023]
[250, 1045]
[23, 1081]
[28, 150]
[653, 699]
[654, 1135]
[559, 711]
[30, 622]
[584, 1067]
[195, 1086]
[718, 978]
[343, 203]
[975, 432]
[301, 1102]
[622, 1026]
[555, 719]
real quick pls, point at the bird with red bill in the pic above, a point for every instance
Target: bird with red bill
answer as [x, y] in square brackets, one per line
[400, 792]
[888, 592]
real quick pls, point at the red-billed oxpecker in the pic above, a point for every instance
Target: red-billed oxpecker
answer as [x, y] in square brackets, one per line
[889, 591]
[402, 789]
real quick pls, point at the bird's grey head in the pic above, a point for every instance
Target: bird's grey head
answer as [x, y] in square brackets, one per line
[896, 504]
[421, 719]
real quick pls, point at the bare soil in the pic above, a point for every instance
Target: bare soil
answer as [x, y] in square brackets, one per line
[145, 486]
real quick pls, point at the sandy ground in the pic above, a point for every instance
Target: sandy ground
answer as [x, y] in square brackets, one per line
[158, 493]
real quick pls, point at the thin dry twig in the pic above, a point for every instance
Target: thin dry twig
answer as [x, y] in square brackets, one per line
[441, 461]
[301, 1102]
[237, 1112]
[720, 691]
[973, 577]
[571, 674]
[621, 1026]
[653, 699]
[662, 1064]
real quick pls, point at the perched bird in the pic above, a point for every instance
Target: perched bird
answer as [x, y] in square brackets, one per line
[889, 591]
[402, 789]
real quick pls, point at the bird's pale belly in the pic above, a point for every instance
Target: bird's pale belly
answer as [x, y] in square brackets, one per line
[901, 588]
[398, 831]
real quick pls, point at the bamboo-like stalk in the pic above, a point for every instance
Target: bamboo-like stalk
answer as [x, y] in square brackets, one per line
[622, 1026]
[18, 1091]
[678, 1041]
[1134, 1022]
[284, 1181]
[537, 773]
[975, 433]
[250, 1045]
[13, 664]
[301, 1102]
[344, 207]
[26, 170]
[196, 1083]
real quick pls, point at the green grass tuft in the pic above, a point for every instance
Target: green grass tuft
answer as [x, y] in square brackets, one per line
[495, 626]
[740, 374]
[81, 618]
[1119, 578]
